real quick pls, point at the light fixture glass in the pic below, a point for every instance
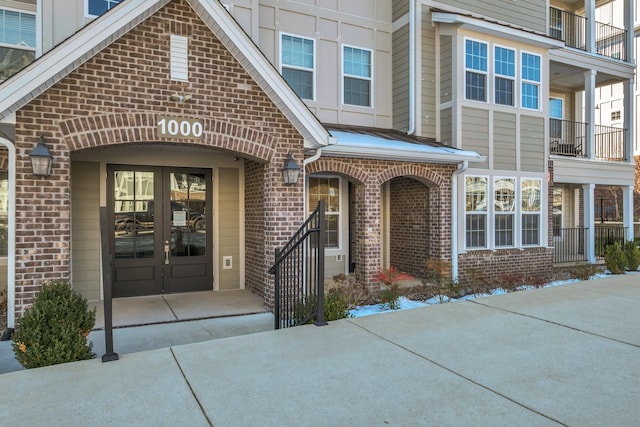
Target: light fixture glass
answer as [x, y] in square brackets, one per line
[290, 170]
[41, 159]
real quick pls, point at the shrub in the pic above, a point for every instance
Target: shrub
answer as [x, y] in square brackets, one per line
[391, 279]
[584, 270]
[615, 259]
[335, 305]
[55, 328]
[632, 253]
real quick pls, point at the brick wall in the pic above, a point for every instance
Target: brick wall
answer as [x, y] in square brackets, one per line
[528, 263]
[114, 98]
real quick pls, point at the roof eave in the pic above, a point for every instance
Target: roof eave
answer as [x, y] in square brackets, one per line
[403, 155]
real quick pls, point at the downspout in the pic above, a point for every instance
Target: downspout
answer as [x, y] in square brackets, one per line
[454, 218]
[11, 244]
[412, 73]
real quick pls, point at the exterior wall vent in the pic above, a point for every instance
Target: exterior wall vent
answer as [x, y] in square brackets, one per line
[179, 58]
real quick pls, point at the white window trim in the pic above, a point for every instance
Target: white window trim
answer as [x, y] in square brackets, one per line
[26, 12]
[491, 213]
[532, 82]
[489, 87]
[513, 78]
[370, 79]
[295, 67]
[342, 214]
[86, 10]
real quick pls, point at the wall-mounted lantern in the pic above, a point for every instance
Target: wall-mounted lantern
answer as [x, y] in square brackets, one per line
[290, 170]
[41, 159]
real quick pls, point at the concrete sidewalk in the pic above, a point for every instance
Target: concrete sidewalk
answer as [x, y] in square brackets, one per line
[556, 356]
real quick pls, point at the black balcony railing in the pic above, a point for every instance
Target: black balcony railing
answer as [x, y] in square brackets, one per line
[14, 59]
[572, 30]
[569, 244]
[606, 236]
[611, 41]
[609, 143]
[567, 138]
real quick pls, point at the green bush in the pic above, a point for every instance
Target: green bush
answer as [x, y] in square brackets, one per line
[55, 328]
[584, 270]
[335, 306]
[632, 254]
[615, 258]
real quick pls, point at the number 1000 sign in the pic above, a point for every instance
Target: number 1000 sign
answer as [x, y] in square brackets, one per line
[185, 128]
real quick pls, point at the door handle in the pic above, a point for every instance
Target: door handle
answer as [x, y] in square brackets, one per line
[166, 252]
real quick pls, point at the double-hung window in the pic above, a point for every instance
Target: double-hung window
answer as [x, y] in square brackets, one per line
[475, 63]
[98, 7]
[530, 81]
[505, 74]
[476, 211]
[328, 190]
[356, 69]
[504, 191]
[298, 64]
[531, 194]
[17, 41]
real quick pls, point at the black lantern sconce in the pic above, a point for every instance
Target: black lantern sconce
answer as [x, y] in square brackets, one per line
[290, 170]
[41, 159]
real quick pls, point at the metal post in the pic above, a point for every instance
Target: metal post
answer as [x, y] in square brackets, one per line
[320, 320]
[106, 283]
[276, 280]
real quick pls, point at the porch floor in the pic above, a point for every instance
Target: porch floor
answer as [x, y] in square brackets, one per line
[169, 308]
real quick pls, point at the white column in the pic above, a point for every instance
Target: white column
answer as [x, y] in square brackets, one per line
[627, 210]
[590, 14]
[589, 112]
[627, 123]
[589, 223]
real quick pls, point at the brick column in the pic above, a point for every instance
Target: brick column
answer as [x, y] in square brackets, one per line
[368, 234]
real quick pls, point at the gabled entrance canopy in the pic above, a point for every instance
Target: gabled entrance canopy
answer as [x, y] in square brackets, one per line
[87, 42]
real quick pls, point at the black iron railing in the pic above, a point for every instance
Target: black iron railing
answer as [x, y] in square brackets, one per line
[611, 41]
[609, 143]
[606, 210]
[299, 274]
[570, 28]
[570, 244]
[567, 138]
[608, 235]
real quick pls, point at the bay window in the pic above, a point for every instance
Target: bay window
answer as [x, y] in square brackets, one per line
[504, 205]
[505, 74]
[476, 211]
[476, 70]
[530, 81]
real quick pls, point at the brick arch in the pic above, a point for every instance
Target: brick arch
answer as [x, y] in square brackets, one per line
[411, 170]
[124, 128]
[338, 166]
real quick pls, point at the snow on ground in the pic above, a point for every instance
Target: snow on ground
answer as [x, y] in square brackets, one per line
[405, 303]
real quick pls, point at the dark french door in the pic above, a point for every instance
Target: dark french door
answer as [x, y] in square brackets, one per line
[161, 240]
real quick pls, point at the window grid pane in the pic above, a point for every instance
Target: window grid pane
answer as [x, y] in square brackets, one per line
[476, 231]
[300, 81]
[531, 67]
[297, 51]
[17, 28]
[476, 55]
[98, 7]
[530, 229]
[357, 62]
[505, 62]
[530, 96]
[475, 194]
[328, 190]
[505, 194]
[504, 230]
[476, 86]
[357, 92]
[504, 91]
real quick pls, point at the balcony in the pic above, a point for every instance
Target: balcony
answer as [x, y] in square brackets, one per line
[567, 138]
[14, 59]
[572, 30]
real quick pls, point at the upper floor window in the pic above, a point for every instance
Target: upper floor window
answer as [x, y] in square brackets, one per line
[357, 76]
[531, 81]
[298, 64]
[98, 7]
[505, 74]
[17, 28]
[476, 70]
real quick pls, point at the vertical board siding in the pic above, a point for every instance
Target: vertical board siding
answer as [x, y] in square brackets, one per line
[229, 229]
[475, 131]
[401, 78]
[504, 141]
[445, 126]
[85, 229]
[428, 77]
[531, 144]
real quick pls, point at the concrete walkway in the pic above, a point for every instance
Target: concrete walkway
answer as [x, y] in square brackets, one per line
[565, 355]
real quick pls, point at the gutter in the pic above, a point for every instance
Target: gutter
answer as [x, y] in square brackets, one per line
[454, 217]
[412, 72]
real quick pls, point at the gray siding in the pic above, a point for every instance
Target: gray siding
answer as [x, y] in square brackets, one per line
[475, 131]
[85, 229]
[532, 144]
[446, 68]
[504, 141]
[401, 78]
[428, 77]
[399, 8]
[530, 14]
[445, 126]
[229, 226]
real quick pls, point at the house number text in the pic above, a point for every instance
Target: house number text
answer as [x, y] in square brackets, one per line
[181, 128]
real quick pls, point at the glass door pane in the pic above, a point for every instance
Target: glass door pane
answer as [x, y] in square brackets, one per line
[134, 214]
